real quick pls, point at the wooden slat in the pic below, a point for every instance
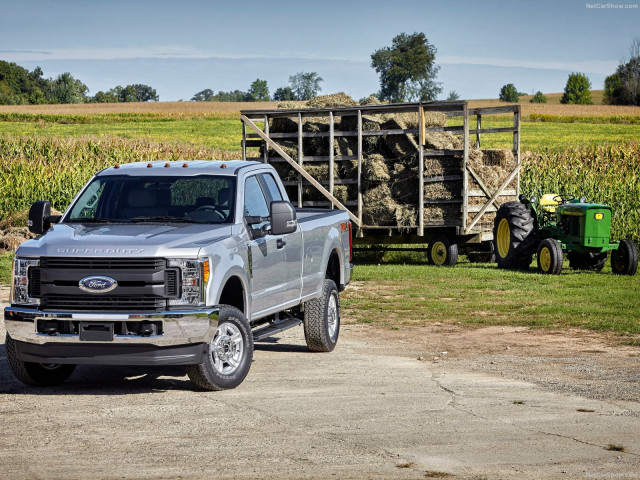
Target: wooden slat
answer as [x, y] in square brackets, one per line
[509, 192]
[338, 181]
[477, 208]
[421, 172]
[511, 176]
[316, 158]
[493, 130]
[437, 201]
[443, 153]
[492, 110]
[465, 162]
[443, 178]
[359, 167]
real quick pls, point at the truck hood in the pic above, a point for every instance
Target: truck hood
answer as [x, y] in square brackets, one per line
[135, 240]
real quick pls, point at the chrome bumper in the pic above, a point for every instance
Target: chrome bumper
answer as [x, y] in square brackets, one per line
[179, 327]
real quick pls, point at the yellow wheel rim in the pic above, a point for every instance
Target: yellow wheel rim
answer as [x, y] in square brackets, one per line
[504, 238]
[439, 253]
[545, 259]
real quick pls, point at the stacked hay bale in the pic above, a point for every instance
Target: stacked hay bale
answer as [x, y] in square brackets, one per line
[390, 180]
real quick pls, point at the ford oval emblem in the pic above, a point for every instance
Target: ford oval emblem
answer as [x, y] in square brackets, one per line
[97, 284]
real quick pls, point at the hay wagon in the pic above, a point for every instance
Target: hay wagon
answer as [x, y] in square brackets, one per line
[407, 173]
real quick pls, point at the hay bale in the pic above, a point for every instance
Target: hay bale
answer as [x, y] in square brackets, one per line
[345, 146]
[444, 165]
[406, 216]
[442, 141]
[441, 213]
[291, 105]
[11, 241]
[374, 169]
[348, 169]
[399, 145]
[341, 192]
[493, 167]
[283, 125]
[379, 207]
[320, 171]
[443, 190]
[339, 99]
[370, 100]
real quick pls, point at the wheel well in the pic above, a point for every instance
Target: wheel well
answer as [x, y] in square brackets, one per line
[333, 268]
[233, 294]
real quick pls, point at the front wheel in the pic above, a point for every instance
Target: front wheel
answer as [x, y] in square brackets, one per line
[550, 256]
[322, 319]
[229, 354]
[624, 260]
[36, 374]
[442, 252]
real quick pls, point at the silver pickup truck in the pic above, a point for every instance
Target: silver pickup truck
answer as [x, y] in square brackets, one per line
[174, 263]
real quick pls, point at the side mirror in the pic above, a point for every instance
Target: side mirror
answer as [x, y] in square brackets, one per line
[283, 218]
[40, 217]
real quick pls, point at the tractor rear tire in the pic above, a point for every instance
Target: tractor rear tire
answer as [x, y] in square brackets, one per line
[587, 261]
[442, 252]
[624, 260]
[514, 231]
[550, 256]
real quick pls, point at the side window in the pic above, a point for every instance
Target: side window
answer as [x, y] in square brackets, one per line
[272, 187]
[254, 202]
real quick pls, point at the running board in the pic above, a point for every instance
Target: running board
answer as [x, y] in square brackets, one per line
[276, 327]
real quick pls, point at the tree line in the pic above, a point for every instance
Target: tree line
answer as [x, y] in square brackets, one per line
[19, 86]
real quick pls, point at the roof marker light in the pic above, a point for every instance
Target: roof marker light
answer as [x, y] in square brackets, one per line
[224, 165]
[117, 165]
[149, 165]
[167, 165]
[185, 165]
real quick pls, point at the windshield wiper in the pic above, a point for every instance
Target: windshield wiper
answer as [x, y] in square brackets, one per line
[96, 220]
[161, 218]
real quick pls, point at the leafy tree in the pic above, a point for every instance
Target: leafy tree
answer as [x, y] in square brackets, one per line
[205, 95]
[283, 94]
[407, 69]
[105, 97]
[577, 90]
[539, 97]
[143, 93]
[234, 96]
[453, 95]
[623, 87]
[258, 91]
[305, 85]
[20, 86]
[66, 89]
[509, 93]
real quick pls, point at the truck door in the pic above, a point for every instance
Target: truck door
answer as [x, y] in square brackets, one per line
[291, 247]
[265, 258]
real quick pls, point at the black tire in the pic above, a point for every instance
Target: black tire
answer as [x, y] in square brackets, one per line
[229, 354]
[550, 257]
[35, 374]
[442, 252]
[587, 261]
[624, 260]
[514, 231]
[322, 319]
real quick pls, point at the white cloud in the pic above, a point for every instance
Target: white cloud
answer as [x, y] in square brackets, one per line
[603, 67]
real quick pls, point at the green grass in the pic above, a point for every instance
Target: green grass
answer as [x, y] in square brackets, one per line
[5, 268]
[482, 294]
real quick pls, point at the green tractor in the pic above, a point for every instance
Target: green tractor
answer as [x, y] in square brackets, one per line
[557, 224]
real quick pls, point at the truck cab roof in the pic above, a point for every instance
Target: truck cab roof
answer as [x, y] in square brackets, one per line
[181, 168]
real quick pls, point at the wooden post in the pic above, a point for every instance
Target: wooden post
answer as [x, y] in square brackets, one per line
[299, 159]
[265, 158]
[244, 141]
[465, 173]
[360, 169]
[478, 128]
[422, 134]
[331, 154]
[516, 144]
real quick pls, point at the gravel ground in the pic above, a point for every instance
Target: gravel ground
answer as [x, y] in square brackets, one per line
[445, 401]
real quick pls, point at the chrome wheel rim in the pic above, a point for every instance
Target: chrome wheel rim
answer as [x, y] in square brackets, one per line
[227, 348]
[332, 316]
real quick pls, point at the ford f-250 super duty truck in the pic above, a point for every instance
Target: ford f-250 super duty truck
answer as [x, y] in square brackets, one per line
[176, 263]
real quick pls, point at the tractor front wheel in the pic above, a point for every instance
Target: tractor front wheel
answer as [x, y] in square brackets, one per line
[550, 256]
[624, 260]
[514, 236]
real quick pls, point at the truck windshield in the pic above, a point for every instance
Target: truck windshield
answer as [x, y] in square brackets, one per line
[127, 199]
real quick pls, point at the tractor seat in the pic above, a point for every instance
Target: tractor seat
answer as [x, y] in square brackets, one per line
[548, 203]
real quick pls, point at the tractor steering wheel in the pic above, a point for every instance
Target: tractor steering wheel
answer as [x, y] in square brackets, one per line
[564, 198]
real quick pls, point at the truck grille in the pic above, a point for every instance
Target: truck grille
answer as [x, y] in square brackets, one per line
[144, 284]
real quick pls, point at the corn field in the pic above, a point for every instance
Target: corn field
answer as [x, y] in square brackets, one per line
[53, 168]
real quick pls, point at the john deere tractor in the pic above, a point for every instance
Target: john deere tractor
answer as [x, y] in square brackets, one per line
[558, 224]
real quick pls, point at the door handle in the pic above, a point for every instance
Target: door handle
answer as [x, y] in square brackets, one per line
[280, 243]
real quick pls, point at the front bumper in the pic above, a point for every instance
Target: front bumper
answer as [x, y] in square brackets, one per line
[186, 327]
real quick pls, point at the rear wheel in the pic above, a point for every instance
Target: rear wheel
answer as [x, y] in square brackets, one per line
[587, 261]
[229, 354]
[36, 374]
[514, 236]
[624, 260]
[550, 256]
[442, 252]
[322, 319]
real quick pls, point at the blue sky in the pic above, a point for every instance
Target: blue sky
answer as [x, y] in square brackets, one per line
[182, 47]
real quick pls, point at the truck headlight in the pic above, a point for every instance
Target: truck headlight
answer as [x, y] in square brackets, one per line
[193, 281]
[20, 281]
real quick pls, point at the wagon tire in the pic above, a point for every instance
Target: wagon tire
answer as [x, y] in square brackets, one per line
[35, 374]
[228, 355]
[624, 260]
[514, 232]
[322, 319]
[442, 252]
